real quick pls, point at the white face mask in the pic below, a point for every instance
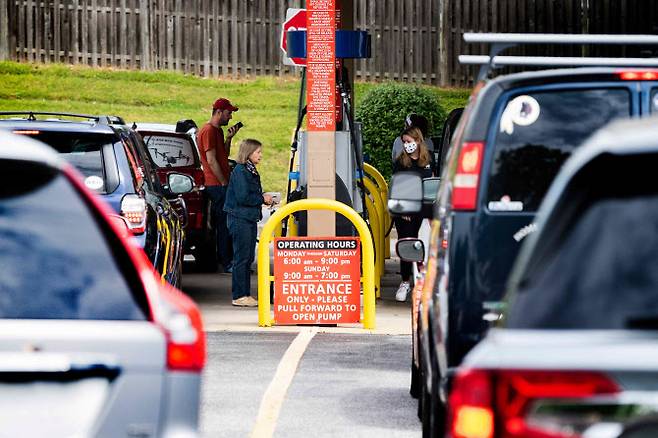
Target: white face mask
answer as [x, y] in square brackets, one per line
[410, 147]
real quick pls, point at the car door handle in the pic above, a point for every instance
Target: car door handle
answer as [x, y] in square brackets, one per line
[24, 367]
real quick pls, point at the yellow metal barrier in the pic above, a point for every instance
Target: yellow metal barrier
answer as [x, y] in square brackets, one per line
[374, 174]
[380, 238]
[376, 235]
[368, 261]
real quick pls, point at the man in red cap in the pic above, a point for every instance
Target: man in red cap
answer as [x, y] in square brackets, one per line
[214, 149]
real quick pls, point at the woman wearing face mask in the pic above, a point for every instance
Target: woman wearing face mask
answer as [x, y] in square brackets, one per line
[244, 198]
[414, 158]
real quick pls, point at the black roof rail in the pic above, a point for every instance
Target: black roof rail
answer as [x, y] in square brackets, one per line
[31, 115]
[504, 41]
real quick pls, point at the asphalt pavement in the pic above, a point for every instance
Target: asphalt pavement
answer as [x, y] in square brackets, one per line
[340, 381]
[345, 385]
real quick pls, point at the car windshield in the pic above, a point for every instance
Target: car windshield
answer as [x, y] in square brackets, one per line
[602, 276]
[55, 262]
[170, 150]
[537, 132]
[84, 151]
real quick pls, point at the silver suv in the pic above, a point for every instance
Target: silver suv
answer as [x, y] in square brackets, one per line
[92, 341]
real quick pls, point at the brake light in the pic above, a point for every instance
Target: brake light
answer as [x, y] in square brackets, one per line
[133, 208]
[650, 75]
[181, 321]
[471, 401]
[26, 132]
[467, 178]
[482, 402]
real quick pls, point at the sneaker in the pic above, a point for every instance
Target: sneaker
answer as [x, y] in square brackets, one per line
[403, 290]
[247, 301]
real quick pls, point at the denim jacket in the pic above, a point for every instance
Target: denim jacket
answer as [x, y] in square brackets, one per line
[244, 196]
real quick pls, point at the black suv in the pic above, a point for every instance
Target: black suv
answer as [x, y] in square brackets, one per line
[113, 162]
[512, 138]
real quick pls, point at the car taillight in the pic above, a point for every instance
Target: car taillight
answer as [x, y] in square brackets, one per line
[471, 406]
[650, 75]
[181, 321]
[497, 403]
[133, 208]
[466, 182]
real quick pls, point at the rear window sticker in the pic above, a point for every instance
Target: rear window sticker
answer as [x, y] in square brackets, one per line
[522, 110]
[525, 231]
[94, 182]
[505, 204]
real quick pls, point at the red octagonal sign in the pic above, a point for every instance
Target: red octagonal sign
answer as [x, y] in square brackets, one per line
[295, 20]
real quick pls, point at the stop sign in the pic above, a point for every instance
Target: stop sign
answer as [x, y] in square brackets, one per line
[295, 20]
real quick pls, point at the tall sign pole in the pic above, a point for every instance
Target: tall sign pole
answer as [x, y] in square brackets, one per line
[321, 120]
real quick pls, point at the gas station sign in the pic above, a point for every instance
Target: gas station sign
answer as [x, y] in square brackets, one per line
[317, 280]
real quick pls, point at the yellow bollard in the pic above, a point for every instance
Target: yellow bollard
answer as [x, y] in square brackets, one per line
[383, 190]
[380, 238]
[368, 260]
[376, 236]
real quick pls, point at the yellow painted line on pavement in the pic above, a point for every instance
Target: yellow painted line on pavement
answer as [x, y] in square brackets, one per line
[270, 405]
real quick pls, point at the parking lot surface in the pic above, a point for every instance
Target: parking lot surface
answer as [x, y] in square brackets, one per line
[344, 385]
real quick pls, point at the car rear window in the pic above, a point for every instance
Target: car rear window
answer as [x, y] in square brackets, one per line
[55, 262]
[84, 151]
[602, 276]
[170, 150]
[536, 134]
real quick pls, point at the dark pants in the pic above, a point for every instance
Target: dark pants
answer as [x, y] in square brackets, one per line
[217, 195]
[243, 233]
[407, 229]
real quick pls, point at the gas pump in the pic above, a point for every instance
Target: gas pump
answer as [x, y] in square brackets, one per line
[347, 135]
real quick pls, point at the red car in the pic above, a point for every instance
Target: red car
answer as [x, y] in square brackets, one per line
[172, 148]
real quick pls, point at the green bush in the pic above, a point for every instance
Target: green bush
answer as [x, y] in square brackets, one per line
[382, 112]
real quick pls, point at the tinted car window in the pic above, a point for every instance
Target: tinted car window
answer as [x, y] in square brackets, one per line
[54, 261]
[169, 150]
[654, 101]
[536, 134]
[603, 274]
[82, 150]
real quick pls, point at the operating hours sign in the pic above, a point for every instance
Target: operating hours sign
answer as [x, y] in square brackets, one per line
[316, 280]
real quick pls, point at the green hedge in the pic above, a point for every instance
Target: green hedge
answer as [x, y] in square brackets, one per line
[382, 112]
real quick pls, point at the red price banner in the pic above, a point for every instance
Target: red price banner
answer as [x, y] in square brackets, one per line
[316, 280]
[321, 64]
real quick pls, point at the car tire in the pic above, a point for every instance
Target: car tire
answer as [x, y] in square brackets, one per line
[425, 408]
[414, 387]
[438, 409]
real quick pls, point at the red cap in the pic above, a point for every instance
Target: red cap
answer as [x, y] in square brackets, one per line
[224, 104]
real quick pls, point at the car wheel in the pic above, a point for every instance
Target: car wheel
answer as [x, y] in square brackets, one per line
[414, 388]
[206, 254]
[426, 412]
[438, 409]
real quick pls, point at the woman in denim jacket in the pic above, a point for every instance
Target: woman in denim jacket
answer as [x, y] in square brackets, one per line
[244, 200]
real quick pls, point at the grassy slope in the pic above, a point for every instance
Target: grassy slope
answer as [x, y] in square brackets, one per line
[268, 105]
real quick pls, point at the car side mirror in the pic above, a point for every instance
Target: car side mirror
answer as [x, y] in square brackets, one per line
[179, 183]
[410, 249]
[405, 194]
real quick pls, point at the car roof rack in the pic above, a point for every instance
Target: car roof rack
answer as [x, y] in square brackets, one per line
[504, 41]
[31, 115]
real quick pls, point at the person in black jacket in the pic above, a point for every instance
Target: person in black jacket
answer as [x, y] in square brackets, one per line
[244, 200]
[414, 158]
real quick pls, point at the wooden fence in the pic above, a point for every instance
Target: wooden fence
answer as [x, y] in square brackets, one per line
[208, 37]
[412, 40]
